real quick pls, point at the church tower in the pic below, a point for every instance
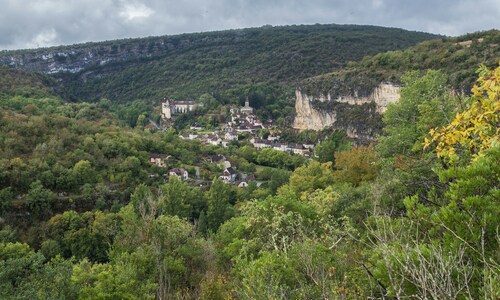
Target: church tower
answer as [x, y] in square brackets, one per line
[166, 109]
[247, 109]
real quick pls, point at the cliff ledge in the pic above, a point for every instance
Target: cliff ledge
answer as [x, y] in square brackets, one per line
[360, 117]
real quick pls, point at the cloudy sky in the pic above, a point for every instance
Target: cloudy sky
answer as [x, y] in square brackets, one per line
[38, 23]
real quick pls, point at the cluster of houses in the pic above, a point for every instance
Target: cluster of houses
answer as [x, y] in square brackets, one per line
[244, 120]
[213, 138]
[228, 175]
[300, 149]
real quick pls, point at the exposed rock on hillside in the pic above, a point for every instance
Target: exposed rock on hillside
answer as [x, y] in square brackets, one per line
[74, 59]
[359, 116]
[226, 63]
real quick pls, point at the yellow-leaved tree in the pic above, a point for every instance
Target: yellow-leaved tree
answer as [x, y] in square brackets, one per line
[477, 128]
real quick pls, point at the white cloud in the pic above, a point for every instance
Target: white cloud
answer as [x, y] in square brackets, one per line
[44, 38]
[134, 11]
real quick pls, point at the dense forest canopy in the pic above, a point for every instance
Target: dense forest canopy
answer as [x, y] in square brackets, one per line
[260, 63]
[84, 214]
[458, 57]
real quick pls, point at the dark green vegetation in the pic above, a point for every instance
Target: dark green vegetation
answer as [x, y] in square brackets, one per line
[84, 215]
[263, 64]
[16, 82]
[458, 57]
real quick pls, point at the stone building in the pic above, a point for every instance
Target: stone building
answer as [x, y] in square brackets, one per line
[158, 159]
[247, 109]
[171, 107]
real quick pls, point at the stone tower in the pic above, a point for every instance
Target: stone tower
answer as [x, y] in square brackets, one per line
[247, 109]
[166, 109]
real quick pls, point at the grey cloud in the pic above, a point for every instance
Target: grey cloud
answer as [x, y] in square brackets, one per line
[32, 23]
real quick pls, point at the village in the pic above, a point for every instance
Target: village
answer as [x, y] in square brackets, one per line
[242, 120]
[242, 124]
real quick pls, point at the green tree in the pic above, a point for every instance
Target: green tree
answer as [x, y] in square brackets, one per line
[5, 199]
[270, 276]
[277, 178]
[112, 281]
[86, 235]
[406, 170]
[311, 177]
[8, 234]
[173, 256]
[456, 240]
[215, 288]
[83, 172]
[454, 236]
[39, 199]
[201, 224]
[356, 165]
[281, 246]
[141, 120]
[53, 281]
[18, 267]
[219, 208]
[208, 101]
[175, 198]
[247, 152]
[50, 249]
[325, 151]
[140, 198]
[271, 157]
[425, 103]
[19, 175]
[132, 165]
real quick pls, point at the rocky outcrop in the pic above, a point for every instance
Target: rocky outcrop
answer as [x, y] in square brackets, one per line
[266, 43]
[382, 95]
[358, 116]
[76, 58]
[307, 117]
[88, 56]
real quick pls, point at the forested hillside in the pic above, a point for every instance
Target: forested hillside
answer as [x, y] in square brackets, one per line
[95, 203]
[16, 82]
[458, 57]
[84, 215]
[263, 63]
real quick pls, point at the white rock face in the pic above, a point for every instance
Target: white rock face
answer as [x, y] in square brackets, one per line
[307, 117]
[382, 95]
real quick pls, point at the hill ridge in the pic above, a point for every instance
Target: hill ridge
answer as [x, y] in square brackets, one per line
[224, 63]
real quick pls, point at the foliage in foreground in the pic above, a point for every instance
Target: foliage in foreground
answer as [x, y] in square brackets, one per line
[418, 219]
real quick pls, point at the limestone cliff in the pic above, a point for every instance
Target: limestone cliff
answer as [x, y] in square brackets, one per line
[382, 95]
[76, 58]
[359, 116]
[309, 118]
